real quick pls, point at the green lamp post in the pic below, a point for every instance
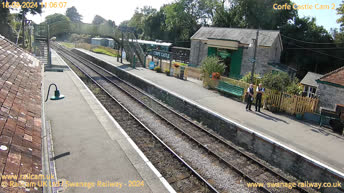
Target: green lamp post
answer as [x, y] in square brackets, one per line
[57, 94]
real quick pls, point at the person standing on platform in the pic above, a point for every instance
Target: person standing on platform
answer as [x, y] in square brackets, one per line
[260, 91]
[249, 94]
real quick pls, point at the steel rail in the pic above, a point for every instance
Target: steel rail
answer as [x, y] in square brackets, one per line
[151, 132]
[219, 157]
[218, 139]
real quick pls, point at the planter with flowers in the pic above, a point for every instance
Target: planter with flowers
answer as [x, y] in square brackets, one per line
[212, 68]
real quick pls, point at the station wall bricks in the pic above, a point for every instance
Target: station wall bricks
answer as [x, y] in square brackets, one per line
[290, 162]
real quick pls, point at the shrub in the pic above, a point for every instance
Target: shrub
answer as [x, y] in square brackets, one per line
[247, 78]
[295, 88]
[212, 64]
[276, 81]
[157, 69]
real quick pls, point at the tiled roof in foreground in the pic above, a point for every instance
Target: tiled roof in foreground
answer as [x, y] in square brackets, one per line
[20, 116]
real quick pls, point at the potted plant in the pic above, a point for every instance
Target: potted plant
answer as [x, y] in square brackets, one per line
[273, 108]
[211, 68]
[299, 116]
[157, 69]
[167, 72]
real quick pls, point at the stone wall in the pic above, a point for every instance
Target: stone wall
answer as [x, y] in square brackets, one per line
[263, 57]
[329, 96]
[198, 52]
[271, 151]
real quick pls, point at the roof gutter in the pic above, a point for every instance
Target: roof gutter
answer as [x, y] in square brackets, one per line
[330, 83]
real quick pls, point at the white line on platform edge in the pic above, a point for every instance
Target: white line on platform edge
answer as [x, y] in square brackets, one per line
[144, 158]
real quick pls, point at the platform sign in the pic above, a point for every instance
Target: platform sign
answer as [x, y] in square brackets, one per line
[161, 54]
[151, 65]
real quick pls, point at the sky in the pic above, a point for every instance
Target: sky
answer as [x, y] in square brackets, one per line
[120, 10]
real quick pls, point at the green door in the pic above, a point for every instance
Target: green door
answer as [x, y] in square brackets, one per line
[212, 51]
[236, 64]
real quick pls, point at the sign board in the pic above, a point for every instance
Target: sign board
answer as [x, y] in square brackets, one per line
[151, 65]
[224, 54]
[225, 44]
[161, 54]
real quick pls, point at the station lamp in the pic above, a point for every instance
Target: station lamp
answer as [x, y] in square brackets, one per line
[57, 95]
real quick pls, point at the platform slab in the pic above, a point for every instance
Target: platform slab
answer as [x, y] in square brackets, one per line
[99, 149]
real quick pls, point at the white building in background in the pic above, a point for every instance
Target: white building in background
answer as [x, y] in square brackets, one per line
[310, 84]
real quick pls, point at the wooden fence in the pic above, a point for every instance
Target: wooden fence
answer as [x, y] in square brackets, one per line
[292, 104]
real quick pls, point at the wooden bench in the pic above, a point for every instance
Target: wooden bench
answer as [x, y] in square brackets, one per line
[230, 89]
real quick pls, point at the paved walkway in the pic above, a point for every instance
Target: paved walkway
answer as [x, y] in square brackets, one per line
[317, 143]
[99, 149]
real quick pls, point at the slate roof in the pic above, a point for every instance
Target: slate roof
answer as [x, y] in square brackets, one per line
[244, 36]
[20, 114]
[310, 79]
[335, 77]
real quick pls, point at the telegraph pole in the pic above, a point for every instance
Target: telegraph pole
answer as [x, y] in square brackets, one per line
[122, 48]
[23, 29]
[254, 55]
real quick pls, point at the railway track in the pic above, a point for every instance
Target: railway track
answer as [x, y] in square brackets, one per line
[222, 153]
[176, 171]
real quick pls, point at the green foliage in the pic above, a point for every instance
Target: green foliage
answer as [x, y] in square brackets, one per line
[158, 69]
[305, 29]
[340, 11]
[79, 38]
[73, 14]
[97, 20]
[58, 24]
[276, 81]
[67, 44]
[247, 78]
[294, 88]
[212, 64]
[105, 50]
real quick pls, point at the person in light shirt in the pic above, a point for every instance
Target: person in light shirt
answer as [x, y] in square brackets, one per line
[249, 94]
[260, 91]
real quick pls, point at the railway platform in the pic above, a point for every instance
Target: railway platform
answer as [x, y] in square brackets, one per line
[92, 153]
[318, 144]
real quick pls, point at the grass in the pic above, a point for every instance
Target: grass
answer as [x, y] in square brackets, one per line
[105, 50]
[67, 44]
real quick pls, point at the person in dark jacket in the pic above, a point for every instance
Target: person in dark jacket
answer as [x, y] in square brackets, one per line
[260, 91]
[249, 94]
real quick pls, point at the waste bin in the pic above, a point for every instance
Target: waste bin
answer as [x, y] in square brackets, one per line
[181, 74]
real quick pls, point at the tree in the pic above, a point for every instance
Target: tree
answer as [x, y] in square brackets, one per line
[253, 14]
[97, 20]
[138, 20]
[73, 14]
[59, 24]
[5, 28]
[339, 36]
[340, 11]
[153, 27]
[300, 54]
[181, 20]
